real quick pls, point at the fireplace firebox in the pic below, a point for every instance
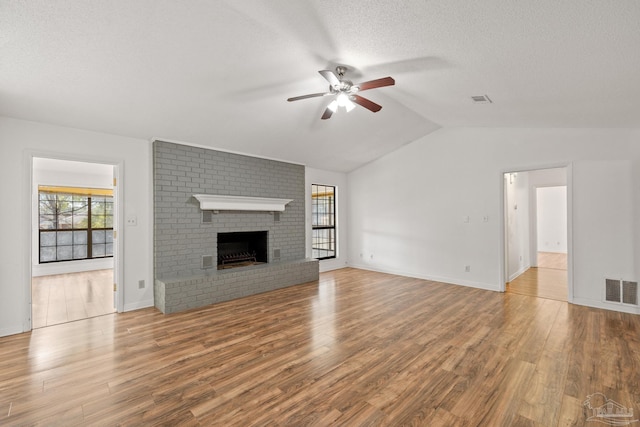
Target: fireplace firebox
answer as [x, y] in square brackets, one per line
[240, 249]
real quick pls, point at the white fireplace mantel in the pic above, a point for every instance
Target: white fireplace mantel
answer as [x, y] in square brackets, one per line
[213, 202]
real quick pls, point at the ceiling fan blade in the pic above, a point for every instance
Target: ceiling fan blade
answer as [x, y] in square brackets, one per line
[330, 76]
[327, 114]
[311, 95]
[372, 84]
[364, 102]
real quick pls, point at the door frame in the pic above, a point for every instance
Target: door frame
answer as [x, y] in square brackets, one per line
[503, 236]
[118, 165]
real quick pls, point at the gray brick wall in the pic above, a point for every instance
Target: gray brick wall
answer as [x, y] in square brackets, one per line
[181, 238]
[192, 292]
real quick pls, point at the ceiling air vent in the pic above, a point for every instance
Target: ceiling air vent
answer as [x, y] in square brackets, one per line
[481, 99]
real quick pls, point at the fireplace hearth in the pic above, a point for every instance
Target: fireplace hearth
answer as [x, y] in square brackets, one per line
[241, 249]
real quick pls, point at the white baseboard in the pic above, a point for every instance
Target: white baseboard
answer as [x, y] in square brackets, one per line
[515, 275]
[448, 280]
[13, 330]
[606, 306]
[138, 305]
[71, 267]
[332, 264]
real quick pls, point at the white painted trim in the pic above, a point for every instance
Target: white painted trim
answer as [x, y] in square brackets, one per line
[502, 249]
[223, 150]
[119, 262]
[16, 329]
[624, 308]
[215, 202]
[440, 279]
[139, 305]
[515, 275]
[64, 267]
[118, 164]
[27, 231]
[332, 264]
[570, 297]
[151, 227]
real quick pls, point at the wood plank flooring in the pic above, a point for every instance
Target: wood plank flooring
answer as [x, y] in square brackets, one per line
[548, 280]
[555, 260]
[541, 282]
[356, 348]
[64, 298]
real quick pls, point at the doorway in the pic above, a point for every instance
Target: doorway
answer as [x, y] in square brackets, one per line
[74, 255]
[536, 229]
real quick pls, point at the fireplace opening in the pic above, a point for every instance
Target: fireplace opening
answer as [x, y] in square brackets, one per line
[240, 249]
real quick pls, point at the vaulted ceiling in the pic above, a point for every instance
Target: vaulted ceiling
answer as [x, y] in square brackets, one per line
[217, 73]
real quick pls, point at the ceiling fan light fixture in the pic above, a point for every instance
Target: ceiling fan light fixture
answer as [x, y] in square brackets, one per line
[344, 101]
[346, 93]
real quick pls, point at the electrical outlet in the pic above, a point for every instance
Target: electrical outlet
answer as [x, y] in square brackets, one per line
[141, 284]
[467, 268]
[132, 220]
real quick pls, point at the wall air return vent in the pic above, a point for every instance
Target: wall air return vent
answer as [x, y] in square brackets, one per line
[621, 291]
[630, 292]
[612, 290]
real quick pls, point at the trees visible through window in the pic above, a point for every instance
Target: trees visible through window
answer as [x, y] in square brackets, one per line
[75, 223]
[323, 221]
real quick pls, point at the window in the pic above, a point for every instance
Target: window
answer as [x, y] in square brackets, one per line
[323, 221]
[75, 223]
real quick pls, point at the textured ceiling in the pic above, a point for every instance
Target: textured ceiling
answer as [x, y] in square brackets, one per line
[218, 73]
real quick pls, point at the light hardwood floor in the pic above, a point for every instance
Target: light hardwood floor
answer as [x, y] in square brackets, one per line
[554, 260]
[64, 298]
[548, 280]
[357, 348]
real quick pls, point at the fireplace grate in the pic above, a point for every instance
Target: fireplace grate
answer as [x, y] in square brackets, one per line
[237, 258]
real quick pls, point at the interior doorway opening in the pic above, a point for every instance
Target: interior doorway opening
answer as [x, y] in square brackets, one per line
[74, 255]
[536, 230]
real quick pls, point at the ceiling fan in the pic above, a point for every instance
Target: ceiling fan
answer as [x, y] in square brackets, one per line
[346, 92]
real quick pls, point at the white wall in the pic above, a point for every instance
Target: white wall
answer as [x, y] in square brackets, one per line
[517, 221]
[551, 177]
[19, 140]
[406, 209]
[552, 219]
[63, 173]
[339, 180]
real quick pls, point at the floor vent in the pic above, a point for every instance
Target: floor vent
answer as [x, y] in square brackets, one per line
[621, 291]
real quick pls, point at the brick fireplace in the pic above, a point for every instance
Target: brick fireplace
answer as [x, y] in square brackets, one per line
[190, 237]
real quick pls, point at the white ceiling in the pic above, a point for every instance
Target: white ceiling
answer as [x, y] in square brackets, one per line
[218, 73]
